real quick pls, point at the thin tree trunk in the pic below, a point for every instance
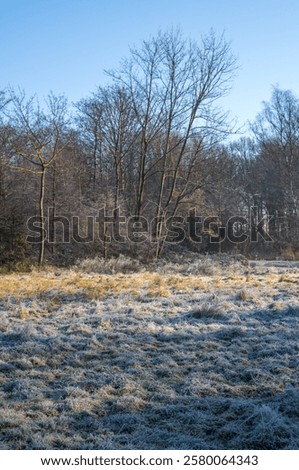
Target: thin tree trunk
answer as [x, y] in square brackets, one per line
[54, 208]
[141, 180]
[42, 215]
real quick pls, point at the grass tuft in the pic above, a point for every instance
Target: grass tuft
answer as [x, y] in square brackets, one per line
[208, 310]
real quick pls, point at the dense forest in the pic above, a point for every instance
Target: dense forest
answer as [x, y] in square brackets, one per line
[149, 162]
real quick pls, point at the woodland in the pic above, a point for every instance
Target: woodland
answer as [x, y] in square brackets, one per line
[149, 163]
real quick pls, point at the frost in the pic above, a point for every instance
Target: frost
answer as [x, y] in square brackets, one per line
[198, 369]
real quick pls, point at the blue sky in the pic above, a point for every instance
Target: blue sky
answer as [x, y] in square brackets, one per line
[64, 45]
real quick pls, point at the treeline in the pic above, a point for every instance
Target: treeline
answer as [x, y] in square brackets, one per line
[142, 165]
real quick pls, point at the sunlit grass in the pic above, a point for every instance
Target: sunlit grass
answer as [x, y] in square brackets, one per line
[70, 282]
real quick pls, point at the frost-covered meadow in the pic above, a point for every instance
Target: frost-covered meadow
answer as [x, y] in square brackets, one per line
[200, 354]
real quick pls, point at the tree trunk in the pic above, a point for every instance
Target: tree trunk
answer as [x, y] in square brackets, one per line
[42, 215]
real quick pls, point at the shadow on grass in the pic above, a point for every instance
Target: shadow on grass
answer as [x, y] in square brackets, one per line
[119, 381]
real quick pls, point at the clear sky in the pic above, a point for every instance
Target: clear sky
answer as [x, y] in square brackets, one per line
[64, 45]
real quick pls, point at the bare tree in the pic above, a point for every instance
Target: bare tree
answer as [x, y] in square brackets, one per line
[90, 123]
[173, 85]
[38, 141]
[277, 132]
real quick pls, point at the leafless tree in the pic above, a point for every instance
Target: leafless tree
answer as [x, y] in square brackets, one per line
[38, 142]
[277, 132]
[174, 85]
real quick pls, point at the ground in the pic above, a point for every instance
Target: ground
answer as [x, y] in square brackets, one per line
[184, 355]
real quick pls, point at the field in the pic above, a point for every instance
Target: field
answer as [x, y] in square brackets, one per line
[188, 354]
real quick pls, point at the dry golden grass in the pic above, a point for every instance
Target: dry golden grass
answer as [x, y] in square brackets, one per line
[39, 283]
[23, 312]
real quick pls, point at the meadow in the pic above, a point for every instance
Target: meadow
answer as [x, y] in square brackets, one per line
[188, 353]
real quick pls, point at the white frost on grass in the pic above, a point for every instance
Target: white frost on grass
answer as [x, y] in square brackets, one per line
[189, 371]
